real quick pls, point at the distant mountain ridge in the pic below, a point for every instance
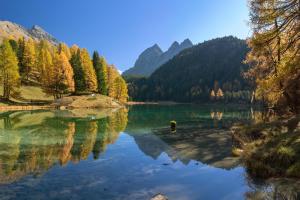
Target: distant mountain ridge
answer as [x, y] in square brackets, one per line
[153, 57]
[15, 31]
[196, 74]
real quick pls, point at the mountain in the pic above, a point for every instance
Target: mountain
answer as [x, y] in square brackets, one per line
[146, 62]
[153, 57]
[194, 73]
[39, 33]
[15, 31]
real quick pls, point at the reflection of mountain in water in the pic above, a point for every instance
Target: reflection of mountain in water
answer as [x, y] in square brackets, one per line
[212, 147]
[32, 142]
[202, 134]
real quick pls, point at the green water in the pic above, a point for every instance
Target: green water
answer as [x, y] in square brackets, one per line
[129, 154]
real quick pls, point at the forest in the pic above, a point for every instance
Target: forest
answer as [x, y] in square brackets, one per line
[58, 70]
[208, 72]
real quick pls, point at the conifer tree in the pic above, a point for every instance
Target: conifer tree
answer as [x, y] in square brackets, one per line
[74, 49]
[62, 78]
[62, 47]
[79, 77]
[14, 45]
[89, 72]
[9, 72]
[28, 59]
[21, 47]
[274, 55]
[212, 95]
[220, 94]
[112, 74]
[44, 64]
[100, 67]
[121, 91]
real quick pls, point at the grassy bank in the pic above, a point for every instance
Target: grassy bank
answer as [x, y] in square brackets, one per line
[270, 149]
[33, 98]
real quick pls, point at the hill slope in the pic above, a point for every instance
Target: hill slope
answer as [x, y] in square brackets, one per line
[12, 30]
[154, 57]
[195, 72]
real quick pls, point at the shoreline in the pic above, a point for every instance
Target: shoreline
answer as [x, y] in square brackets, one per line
[26, 107]
[269, 149]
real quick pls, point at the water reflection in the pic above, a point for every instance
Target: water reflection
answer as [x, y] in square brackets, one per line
[148, 158]
[33, 142]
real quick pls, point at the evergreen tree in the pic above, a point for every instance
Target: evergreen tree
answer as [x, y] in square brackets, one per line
[79, 78]
[21, 47]
[74, 49]
[89, 72]
[28, 59]
[9, 72]
[14, 46]
[100, 67]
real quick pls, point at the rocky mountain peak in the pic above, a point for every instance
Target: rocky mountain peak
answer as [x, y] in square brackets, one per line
[41, 34]
[186, 43]
[12, 30]
[153, 57]
[174, 46]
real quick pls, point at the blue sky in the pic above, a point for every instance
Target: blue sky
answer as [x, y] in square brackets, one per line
[121, 29]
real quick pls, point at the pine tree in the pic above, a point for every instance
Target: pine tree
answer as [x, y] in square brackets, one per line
[79, 78]
[28, 59]
[100, 67]
[21, 47]
[89, 72]
[9, 72]
[14, 45]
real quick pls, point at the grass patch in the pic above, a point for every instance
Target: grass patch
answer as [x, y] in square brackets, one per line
[29, 94]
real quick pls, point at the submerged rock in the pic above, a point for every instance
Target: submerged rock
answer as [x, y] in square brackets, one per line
[159, 197]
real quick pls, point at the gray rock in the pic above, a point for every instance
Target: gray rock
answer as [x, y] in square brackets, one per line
[159, 197]
[16, 31]
[153, 57]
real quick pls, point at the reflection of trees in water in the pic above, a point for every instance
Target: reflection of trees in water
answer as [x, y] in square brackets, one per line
[33, 148]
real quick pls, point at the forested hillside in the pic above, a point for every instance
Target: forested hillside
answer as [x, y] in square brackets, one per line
[210, 71]
[57, 69]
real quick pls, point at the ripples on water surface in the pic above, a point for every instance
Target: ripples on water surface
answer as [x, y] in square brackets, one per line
[128, 154]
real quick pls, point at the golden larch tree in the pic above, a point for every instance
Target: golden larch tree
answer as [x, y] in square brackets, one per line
[9, 70]
[89, 72]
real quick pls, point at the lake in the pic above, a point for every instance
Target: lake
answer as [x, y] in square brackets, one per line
[129, 154]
